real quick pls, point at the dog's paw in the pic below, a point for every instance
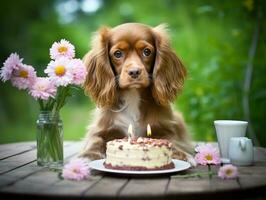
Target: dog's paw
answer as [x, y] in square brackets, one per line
[179, 155]
[90, 155]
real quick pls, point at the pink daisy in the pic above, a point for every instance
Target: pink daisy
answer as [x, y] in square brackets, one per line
[79, 71]
[62, 49]
[43, 88]
[23, 77]
[207, 155]
[60, 71]
[77, 169]
[11, 63]
[228, 172]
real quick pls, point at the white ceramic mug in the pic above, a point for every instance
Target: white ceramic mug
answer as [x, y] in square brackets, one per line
[241, 151]
[225, 129]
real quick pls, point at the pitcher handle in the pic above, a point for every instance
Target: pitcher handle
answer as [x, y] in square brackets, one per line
[242, 144]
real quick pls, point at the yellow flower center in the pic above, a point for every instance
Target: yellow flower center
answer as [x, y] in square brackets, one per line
[60, 70]
[41, 87]
[208, 157]
[62, 49]
[228, 172]
[76, 170]
[23, 74]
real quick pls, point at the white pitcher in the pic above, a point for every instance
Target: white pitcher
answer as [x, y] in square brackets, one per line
[241, 151]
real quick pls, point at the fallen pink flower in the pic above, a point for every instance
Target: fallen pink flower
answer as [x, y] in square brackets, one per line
[228, 172]
[77, 169]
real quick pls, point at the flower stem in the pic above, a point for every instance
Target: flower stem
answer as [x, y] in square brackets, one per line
[193, 175]
[210, 172]
[41, 104]
[63, 94]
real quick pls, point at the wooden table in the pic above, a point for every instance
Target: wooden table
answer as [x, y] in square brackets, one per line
[20, 175]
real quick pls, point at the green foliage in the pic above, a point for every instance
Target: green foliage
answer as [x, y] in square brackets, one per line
[211, 37]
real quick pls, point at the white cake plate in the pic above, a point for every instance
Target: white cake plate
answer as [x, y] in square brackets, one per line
[180, 165]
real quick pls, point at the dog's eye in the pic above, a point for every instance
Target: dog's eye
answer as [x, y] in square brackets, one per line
[118, 54]
[146, 52]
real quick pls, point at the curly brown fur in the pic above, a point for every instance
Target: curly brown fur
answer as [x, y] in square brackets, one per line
[133, 76]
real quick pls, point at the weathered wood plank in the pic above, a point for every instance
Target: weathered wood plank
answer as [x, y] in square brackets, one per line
[151, 187]
[10, 146]
[19, 160]
[188, 185]
[13, 149]
[111, 185]
[217, 184]
[202, 188]
[47, 182]
[20, 173]
[31, 179]
[254, 170]
[70, 188]
[5, 180]
[8, 150]
[252, 182]
[252, 176]
[182, 185]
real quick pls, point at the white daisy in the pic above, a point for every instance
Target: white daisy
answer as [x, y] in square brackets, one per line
[11, 63]
[79, 71]
[60, 71]
[23, 77]
[43, 88]
[62, 49]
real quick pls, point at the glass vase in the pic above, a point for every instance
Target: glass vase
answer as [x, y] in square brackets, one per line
[50, 140]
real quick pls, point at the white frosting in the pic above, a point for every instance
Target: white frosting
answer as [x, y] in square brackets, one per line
[123, 153]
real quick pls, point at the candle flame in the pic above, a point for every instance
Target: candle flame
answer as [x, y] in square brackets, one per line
[148, 130]
[130, 130]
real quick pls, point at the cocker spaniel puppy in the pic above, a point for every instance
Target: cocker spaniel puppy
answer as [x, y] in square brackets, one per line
[133, 76]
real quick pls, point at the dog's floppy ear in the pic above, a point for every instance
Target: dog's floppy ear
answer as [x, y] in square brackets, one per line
[169, 72]
[100, 81]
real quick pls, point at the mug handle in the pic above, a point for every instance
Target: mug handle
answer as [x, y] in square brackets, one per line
[242, 144]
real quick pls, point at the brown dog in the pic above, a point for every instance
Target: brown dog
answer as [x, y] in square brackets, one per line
[133, 75]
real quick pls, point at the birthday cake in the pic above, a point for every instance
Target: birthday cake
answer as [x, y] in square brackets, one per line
[139, 154]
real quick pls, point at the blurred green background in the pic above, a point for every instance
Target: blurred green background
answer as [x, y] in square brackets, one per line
[222, 44]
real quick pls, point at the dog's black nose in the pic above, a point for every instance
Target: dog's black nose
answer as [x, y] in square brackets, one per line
[134, 72]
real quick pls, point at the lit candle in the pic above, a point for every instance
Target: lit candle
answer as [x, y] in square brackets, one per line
[130, 132]
[148, 130]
